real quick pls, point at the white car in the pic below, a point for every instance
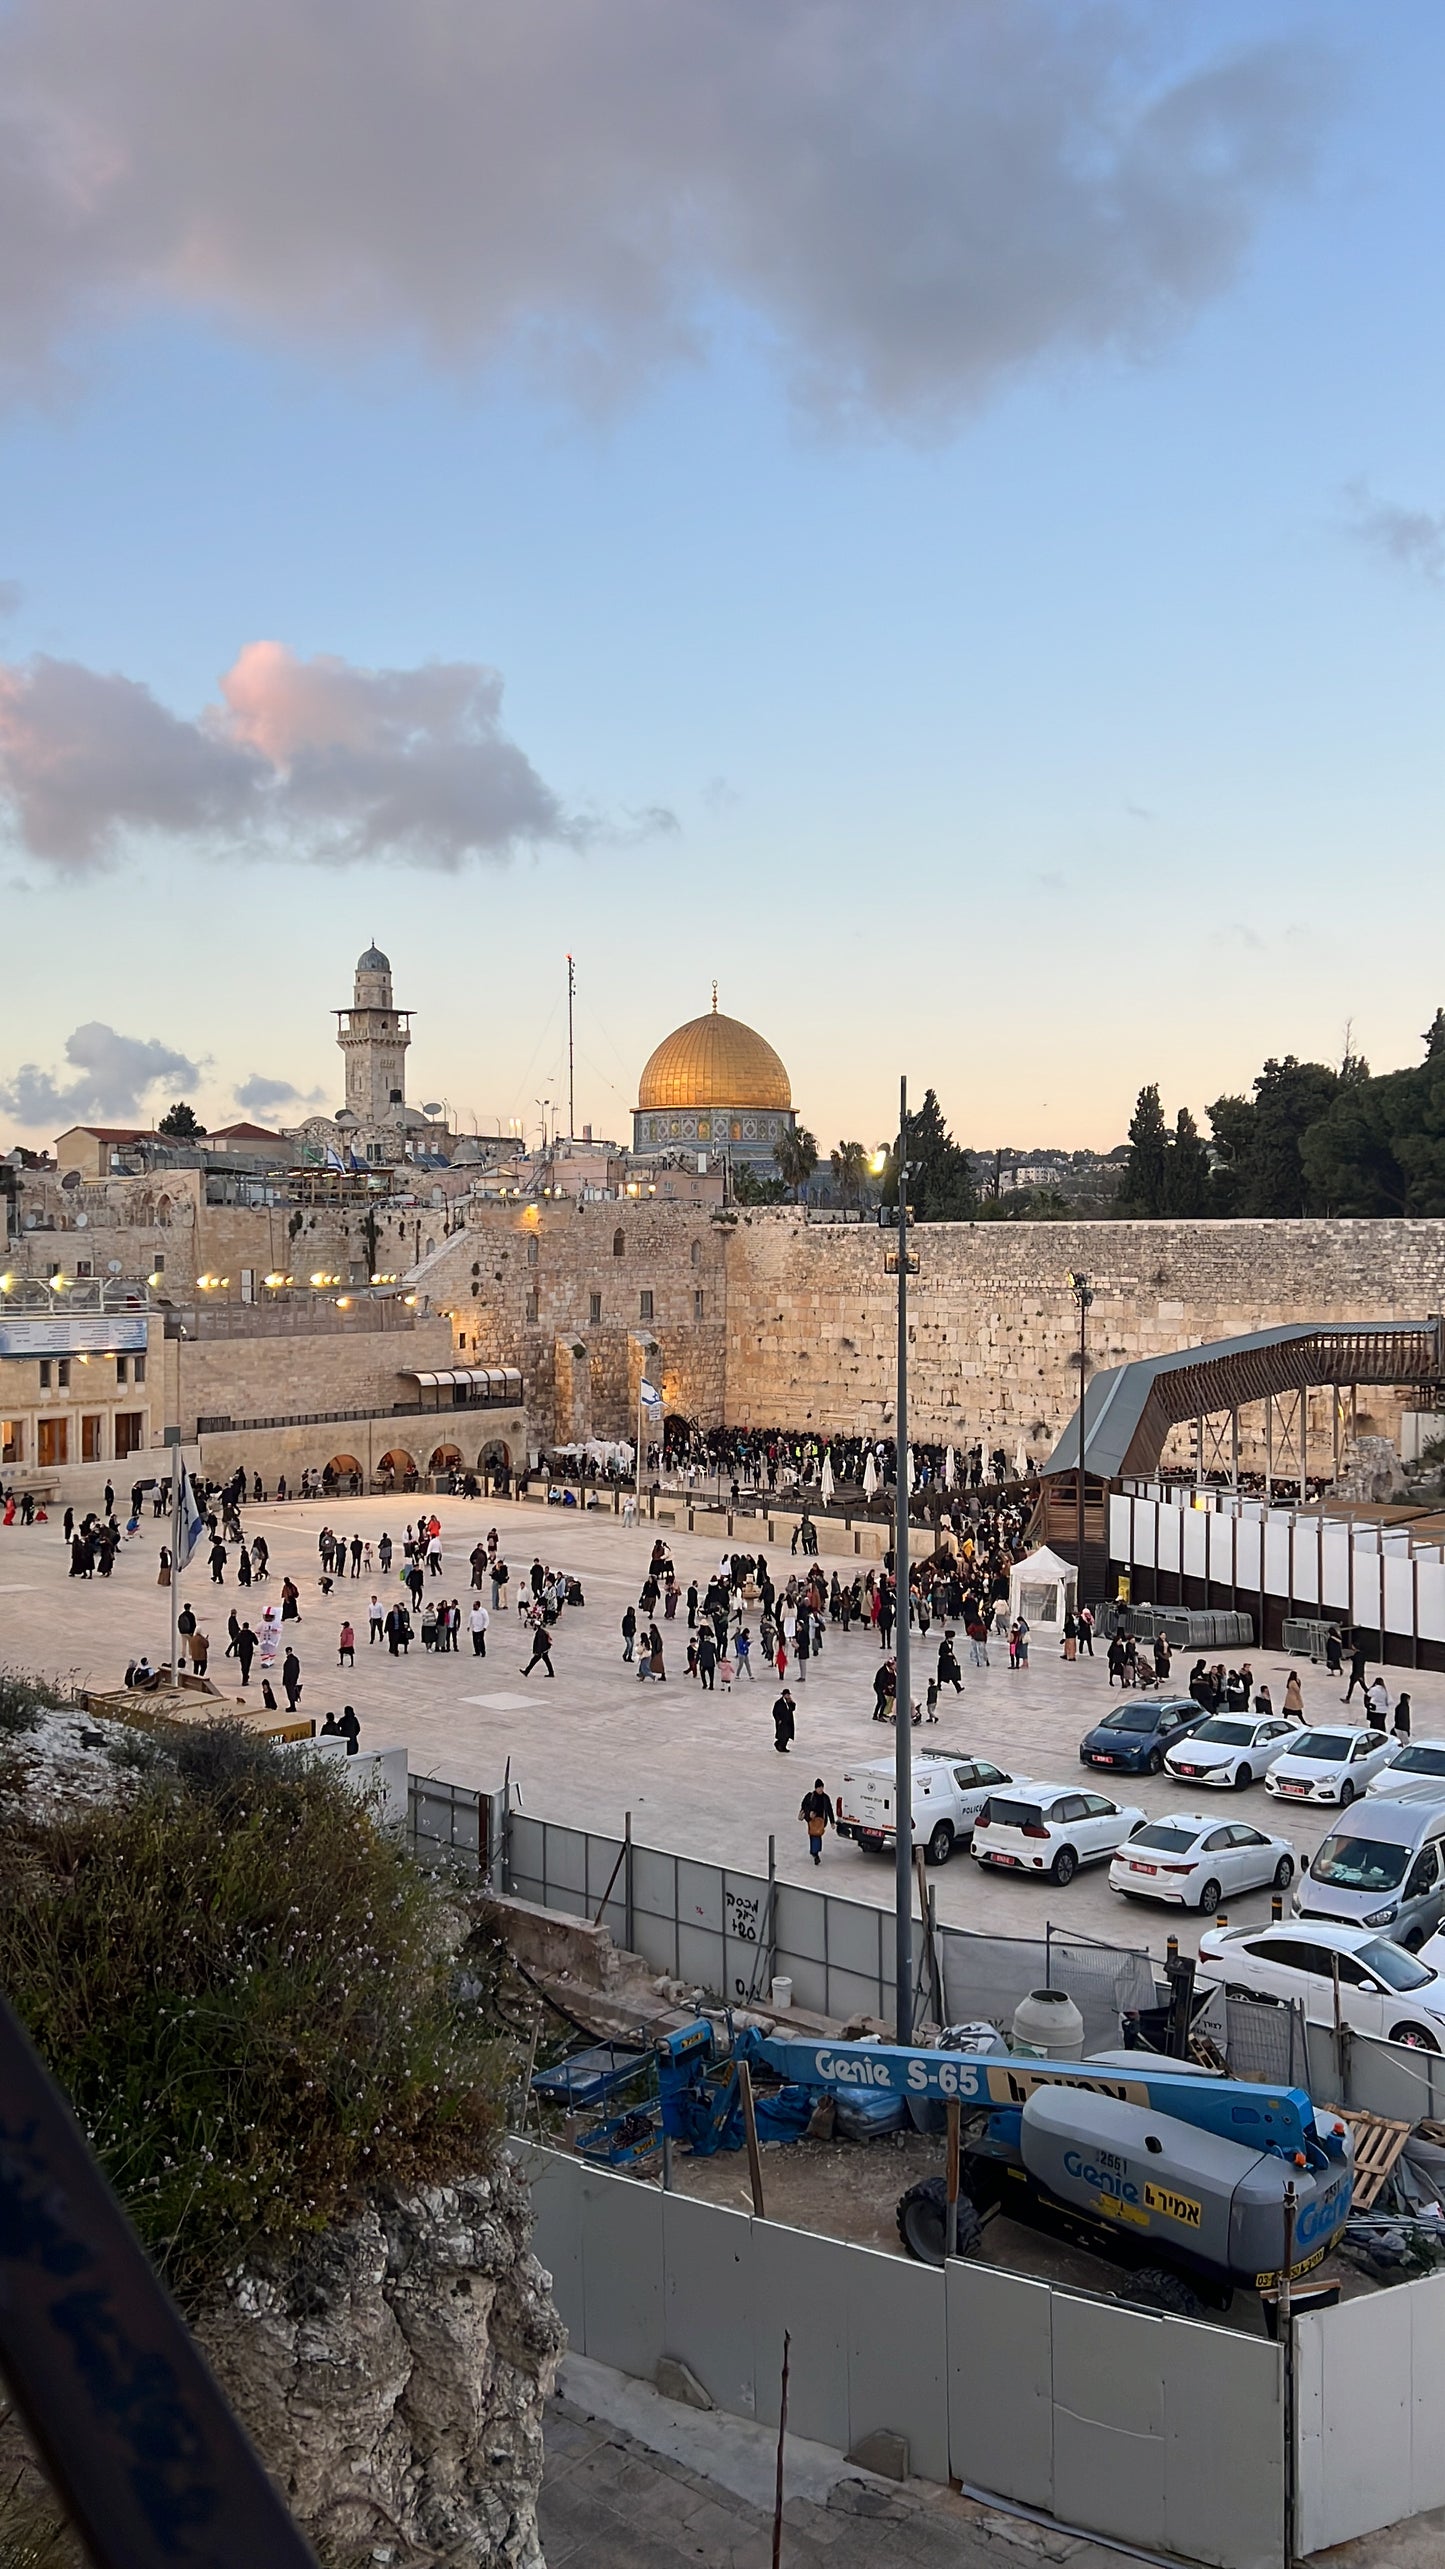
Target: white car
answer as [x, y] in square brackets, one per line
[1051, 1829]
[1332, 1763]
[1383, 1990]
[1198, 1861]
[1413, 1772]
[1229, 1749]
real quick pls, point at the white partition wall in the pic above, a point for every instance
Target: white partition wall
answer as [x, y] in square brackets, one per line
[1160, 2432]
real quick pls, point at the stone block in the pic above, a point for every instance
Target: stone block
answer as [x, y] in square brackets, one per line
[883, 2452]
[677, 2381]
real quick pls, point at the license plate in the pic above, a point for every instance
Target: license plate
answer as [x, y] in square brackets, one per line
[1189, 1770]
[1098, 1758]
[869, 1837]
[1015, 1860]
[1143, 1868]
[1292, 1788]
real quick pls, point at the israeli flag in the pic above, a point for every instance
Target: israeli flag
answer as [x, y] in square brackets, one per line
[190, 1523]
[648, 1394]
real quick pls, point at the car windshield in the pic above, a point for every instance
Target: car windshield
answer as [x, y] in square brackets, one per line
[1237, 1734]
[1347, 1863]
[1419, 1761]
[1393, 1965]
[1013, 1815]
[1168, 1841]
[1131, 1717]
[1327, 1746]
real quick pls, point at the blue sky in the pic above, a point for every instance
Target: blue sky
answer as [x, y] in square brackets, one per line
[1048, 723]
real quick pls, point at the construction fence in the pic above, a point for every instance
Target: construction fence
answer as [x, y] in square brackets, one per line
[1111, 2420]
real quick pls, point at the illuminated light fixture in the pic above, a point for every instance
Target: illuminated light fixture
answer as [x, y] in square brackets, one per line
[409, 1300]
[879, 1162]
[275, 1279]
[343, 1302]
[320, 1278]
[5, 1283]
[57, 1282]
[155, 1279]
[207, 1284]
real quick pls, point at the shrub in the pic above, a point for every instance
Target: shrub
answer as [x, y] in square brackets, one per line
[247, 1991]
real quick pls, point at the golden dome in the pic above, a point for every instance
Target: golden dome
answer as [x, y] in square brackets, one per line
[714, 1061]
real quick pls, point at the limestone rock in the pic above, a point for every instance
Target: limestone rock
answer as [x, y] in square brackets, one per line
[395, 2380]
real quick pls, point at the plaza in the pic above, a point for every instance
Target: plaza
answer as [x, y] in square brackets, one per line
[698, 1771]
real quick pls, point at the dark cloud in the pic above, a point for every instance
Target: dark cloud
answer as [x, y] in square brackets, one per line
[261, 1096]
[315, 758]
[1413, 539]
[114, 1074]
[911, 201]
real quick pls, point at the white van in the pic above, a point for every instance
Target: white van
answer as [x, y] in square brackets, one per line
[950, 1788]
[1382, 1865]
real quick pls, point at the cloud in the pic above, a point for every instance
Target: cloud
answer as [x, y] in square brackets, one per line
[314, 758]
[1413, 539]
[259, 1096]
[115, 1073]
[909, 202]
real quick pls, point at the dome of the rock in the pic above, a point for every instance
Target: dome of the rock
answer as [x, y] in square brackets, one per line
[714, 1061]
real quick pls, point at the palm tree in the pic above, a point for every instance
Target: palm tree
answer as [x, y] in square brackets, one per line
[849, 1163]
[796, 1154]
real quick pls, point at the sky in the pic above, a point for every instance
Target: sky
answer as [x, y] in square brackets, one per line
[931, 517]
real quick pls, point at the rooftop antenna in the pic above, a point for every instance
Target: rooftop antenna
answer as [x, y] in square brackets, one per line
[571, 1087]
[714, 999]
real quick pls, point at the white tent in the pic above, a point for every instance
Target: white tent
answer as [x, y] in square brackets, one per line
[1043, 1589]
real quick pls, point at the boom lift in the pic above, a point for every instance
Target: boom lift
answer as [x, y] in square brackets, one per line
[1168, 2170]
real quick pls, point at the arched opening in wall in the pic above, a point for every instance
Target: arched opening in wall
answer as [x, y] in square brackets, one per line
[343, 1472]
[531, 1253]
[697, 1253]
[619, 1244]
[445, 1458]
[397, 1469]
[495, 1456]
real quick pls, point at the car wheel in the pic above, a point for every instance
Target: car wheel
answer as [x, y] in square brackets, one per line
[1158, 2288]
[923, 2222]
[1065, 1865]
[1209, 1899]
[1284, 1872]
[1244, 1776]
[1156, 1761]
[1347, 1794]
[1415, 2038]
[940, 1845]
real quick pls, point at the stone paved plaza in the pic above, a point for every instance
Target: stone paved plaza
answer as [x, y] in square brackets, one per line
[699, 1772]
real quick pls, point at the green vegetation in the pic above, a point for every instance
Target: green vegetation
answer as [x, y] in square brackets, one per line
[249, 1992]
[182, 1123]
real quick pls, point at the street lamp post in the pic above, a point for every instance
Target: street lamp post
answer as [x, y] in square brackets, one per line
[903, 1698]
[1083, 1294]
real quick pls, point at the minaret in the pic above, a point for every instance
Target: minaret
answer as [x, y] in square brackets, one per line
[373, 1035]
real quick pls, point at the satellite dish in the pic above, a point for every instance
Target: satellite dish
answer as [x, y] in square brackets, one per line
[81, 1221]
[113, 1267]
[434, 1108]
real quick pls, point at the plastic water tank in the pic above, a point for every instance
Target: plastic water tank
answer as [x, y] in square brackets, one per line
[783, 1992]
[1047, 2026]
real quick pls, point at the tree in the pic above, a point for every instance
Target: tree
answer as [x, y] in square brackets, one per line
[940, 1185]
[849, 1163]
[796, 1154]
[1289, 1096]
[180, 1124]
[1231, 1121]
[1433, 1038]
[1142, 1187]
[749, 1187]
[1186, 1170]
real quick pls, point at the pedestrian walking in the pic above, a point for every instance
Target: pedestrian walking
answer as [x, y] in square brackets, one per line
[291, 1680]
[541, 1650]
[245, 1652]
[346, 1647]
[1086, 1629]
[816, 1812]
[1357, 1671]
[629, 1631]
[375, 1618]
[784, 1723]
[1293, 1705]
[479, 1622]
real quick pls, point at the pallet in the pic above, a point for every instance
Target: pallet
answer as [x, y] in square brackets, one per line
[1378, 2144]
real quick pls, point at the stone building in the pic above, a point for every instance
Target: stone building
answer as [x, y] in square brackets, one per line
[713, 1086]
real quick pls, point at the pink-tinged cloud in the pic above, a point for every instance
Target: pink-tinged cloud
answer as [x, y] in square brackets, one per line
[314, 758]
[914, 200]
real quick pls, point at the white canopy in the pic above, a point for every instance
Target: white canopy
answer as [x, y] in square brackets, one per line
[1043, 1589]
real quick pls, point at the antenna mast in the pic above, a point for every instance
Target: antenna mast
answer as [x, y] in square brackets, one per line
[571, 1088]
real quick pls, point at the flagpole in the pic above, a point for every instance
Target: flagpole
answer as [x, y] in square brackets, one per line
[175, 1563]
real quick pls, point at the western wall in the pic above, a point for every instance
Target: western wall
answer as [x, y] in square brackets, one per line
[768, 1318]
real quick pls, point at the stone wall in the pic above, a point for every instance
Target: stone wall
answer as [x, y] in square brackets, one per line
[797, 1322]
[293, 1373]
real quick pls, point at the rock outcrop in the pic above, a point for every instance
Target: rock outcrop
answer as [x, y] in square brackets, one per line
[394, 2380]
